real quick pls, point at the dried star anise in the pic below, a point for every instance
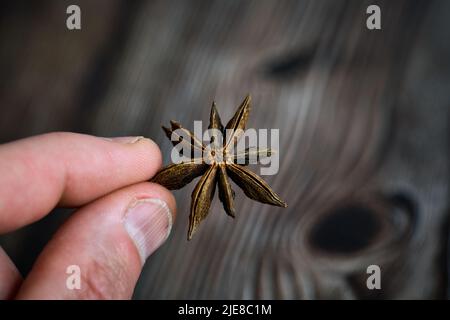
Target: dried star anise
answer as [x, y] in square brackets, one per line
[218, 162]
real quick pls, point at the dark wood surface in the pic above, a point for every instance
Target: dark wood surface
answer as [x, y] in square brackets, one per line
[363, 118]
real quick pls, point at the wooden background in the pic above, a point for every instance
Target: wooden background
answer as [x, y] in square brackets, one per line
[363, 118]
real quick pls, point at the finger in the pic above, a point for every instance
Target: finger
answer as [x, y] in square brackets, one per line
[108, 240]
[67, 168]
[10, 278]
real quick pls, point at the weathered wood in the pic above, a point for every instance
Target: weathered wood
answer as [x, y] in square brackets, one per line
[364, 130]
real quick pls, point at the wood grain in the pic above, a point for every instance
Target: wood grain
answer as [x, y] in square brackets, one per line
[363, 121]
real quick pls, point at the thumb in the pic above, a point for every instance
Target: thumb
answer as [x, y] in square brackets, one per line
[99, 252]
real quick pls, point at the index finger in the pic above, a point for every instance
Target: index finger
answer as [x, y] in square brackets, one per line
[68, 169]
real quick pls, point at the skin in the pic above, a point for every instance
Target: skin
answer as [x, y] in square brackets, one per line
[99, 176]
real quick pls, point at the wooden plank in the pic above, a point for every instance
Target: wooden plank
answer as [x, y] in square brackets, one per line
[363, 140]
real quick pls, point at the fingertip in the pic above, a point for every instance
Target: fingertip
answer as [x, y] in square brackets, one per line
[68, 169]
[10, 278]
[109, 240]
[154, 190]
[145, 148]
[154, 151]
[148, 154]
[165, 195]
[118, 162]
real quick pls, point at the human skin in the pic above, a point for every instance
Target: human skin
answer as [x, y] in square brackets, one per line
[121, 219]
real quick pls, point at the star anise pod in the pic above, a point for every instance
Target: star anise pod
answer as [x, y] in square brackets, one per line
[218, 163]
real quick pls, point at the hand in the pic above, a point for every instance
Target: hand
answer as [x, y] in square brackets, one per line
[122, 220]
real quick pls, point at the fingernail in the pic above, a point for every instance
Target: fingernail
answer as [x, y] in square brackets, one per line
[126, 140]
[148, 222]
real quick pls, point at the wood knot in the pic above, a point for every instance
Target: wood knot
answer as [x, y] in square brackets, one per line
[345, 230]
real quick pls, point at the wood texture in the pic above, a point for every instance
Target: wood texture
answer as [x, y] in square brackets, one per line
[363, 118]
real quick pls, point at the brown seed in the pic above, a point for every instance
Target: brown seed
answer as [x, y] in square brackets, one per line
[226, 193]
[176, 176]
[254, 186]
[222, 165]
[201, 199]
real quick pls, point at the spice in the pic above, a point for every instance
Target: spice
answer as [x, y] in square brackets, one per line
[218, 164]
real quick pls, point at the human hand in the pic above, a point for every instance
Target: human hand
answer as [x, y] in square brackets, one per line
[122, 220]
